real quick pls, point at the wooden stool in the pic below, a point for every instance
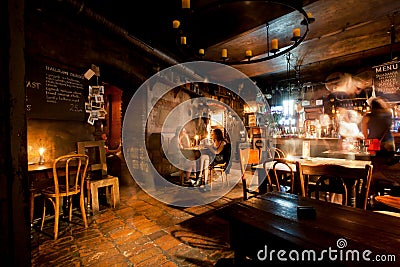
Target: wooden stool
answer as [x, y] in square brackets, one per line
[96, 184]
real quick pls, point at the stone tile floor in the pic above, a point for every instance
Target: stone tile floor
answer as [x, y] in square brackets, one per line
[141, 231]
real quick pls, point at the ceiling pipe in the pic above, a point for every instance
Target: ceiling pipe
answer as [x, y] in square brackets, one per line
[89, 13]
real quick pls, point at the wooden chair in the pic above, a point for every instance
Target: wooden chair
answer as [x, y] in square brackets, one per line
[286, 177]
[98, 177]
[357, 179]
[222, 168]
[274, 152]
[69, 174]
[247, 157]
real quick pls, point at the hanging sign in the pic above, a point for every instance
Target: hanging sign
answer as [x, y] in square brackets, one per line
[386, 81]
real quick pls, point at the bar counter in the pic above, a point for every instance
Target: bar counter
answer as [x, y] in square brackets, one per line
[294, 145]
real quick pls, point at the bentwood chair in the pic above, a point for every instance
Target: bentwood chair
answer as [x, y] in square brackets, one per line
[247, 157]
[286, 177]
[348, 181]
[274, 152]
[222, 168]
[69, 174]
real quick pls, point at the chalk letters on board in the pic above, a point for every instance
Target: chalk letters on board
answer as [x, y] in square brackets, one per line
[53, 92]
[387, 80]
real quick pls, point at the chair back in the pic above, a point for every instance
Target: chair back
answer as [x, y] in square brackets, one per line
[286, 175]
[227, 152]
[246, 156]
[362, 176]
[97, 155]
[274, 152]
[69, 172]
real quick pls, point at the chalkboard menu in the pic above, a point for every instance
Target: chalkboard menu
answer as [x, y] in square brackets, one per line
[387, 81]
[53, 92]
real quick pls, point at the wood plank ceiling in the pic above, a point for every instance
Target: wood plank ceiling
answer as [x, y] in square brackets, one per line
[347, 36]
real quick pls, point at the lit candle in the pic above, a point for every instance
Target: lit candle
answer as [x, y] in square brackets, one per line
[201, 51]
[249, 53]
[224, 53]
[183, 40]
[296, 32]
[41, 155]
[176, 23]
[196, 137]
[185, 3]
[274, 44]
[309, 15]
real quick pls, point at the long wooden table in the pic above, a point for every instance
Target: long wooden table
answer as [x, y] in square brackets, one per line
[266, 224]
[314, 161]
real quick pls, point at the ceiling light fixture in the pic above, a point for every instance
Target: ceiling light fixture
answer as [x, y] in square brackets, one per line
[272, 49]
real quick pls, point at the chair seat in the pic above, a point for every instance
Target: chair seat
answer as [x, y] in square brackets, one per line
[51, 191]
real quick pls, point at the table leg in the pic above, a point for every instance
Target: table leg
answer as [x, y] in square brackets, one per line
[88, 195]
[32, 205]
[262, 180]
[351, 192]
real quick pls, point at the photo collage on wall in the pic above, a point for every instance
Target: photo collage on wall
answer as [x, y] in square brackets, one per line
[95, 105]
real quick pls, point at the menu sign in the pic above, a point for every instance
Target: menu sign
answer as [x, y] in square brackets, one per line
[54, 93]
[387, 81]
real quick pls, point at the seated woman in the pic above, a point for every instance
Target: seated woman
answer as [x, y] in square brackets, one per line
[217, 155]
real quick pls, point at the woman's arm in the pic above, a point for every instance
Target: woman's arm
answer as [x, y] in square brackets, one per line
[364, 126]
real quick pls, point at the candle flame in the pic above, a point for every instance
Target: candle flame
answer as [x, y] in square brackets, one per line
[41, 151]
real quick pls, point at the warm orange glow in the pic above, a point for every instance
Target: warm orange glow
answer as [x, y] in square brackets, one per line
[224, 53]
[296, 32]
[176, 23]
[185, 3]
[249, 53]
[274, 44]
[183, 40]
[201, 51]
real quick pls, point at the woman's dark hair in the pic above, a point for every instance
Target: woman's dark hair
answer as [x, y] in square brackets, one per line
[218, 134]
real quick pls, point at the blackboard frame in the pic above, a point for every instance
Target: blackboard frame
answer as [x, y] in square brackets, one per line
[386, 80]
[54, 91]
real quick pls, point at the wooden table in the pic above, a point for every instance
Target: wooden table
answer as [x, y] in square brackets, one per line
[313, 161]
[271, 222]
[39, 177]
[353, 155]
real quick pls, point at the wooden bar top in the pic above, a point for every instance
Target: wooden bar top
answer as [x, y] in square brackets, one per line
[273, 216]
